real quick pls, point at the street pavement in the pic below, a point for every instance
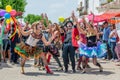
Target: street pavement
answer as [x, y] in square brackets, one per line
[12, 72]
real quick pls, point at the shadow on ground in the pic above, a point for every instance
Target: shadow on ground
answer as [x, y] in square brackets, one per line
[95, 71]
[5, 65]
[39, 74]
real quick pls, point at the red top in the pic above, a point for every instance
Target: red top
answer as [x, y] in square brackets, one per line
[62, 38]
[75, 37]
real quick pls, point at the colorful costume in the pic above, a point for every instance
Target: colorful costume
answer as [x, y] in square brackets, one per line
[92, 49]
[75, 37]
[29, 48]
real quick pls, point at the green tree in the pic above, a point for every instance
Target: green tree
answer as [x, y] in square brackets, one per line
[110, 1]
[31, 18]
[18, 5]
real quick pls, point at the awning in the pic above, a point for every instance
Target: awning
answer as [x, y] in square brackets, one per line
[97, 18]
[110, 14]
[105, 16]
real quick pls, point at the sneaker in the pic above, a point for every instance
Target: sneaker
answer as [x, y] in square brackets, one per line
[16, 62]
[101, 69]
[66, 71]
[12, 63]
[79, 68]
[88, 66]
[83, 72]
[37, 65]
[60, 69]
[74, 71]
[112, 60]
[116, 60]
[41, 68]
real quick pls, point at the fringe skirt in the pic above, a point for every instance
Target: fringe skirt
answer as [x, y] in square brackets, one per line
[26, 51]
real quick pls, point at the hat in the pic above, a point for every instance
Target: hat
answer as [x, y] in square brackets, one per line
[68, 22]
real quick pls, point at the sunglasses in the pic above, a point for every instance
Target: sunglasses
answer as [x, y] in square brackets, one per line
[69, 26]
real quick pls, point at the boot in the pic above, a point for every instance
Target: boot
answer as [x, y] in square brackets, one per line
[48, 60]
[48, 70]
[66, 69]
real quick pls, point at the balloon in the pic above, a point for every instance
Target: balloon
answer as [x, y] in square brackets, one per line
[11, 19]
[8, 8]
[7, 15]
[8, 21]
[13, 12]
[61, 19]
[2, 12]
[8, 27]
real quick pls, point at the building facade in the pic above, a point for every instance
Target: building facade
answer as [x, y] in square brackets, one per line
[96, 6]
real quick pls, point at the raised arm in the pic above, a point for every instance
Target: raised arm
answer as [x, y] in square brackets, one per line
[24, 33]
[76, 23]
[97, 33]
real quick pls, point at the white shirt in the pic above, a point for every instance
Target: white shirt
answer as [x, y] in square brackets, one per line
[113, 39]
[32, 41]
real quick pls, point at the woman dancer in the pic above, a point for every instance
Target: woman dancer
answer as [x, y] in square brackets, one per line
[91, 49]
[29, 48]
[55, 46]
[56, 43]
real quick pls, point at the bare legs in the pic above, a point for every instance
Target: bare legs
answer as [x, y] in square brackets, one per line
[97, 64]
[42, 55]
[22, 64]
[85, 62]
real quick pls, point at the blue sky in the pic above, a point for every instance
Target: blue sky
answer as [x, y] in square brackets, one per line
[54, 8]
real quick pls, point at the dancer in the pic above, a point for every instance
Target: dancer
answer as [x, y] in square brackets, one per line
[56, 45]
[68, 49]
[53, 49]
[29, 48]
[91, 49]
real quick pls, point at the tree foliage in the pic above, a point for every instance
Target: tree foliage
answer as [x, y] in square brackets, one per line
[31, 18]
[18, 5]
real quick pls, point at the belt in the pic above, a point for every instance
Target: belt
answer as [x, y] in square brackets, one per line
[29, 45]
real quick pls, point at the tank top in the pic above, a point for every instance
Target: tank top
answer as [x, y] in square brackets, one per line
[33, 39]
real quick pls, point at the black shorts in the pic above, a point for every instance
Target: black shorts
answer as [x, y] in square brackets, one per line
[6, 44]
[45, 49]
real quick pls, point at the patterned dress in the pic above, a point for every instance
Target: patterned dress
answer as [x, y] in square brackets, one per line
[29, 48]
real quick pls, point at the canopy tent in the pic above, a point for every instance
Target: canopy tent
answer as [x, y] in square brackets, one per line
[97, 18]
[105, 16]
